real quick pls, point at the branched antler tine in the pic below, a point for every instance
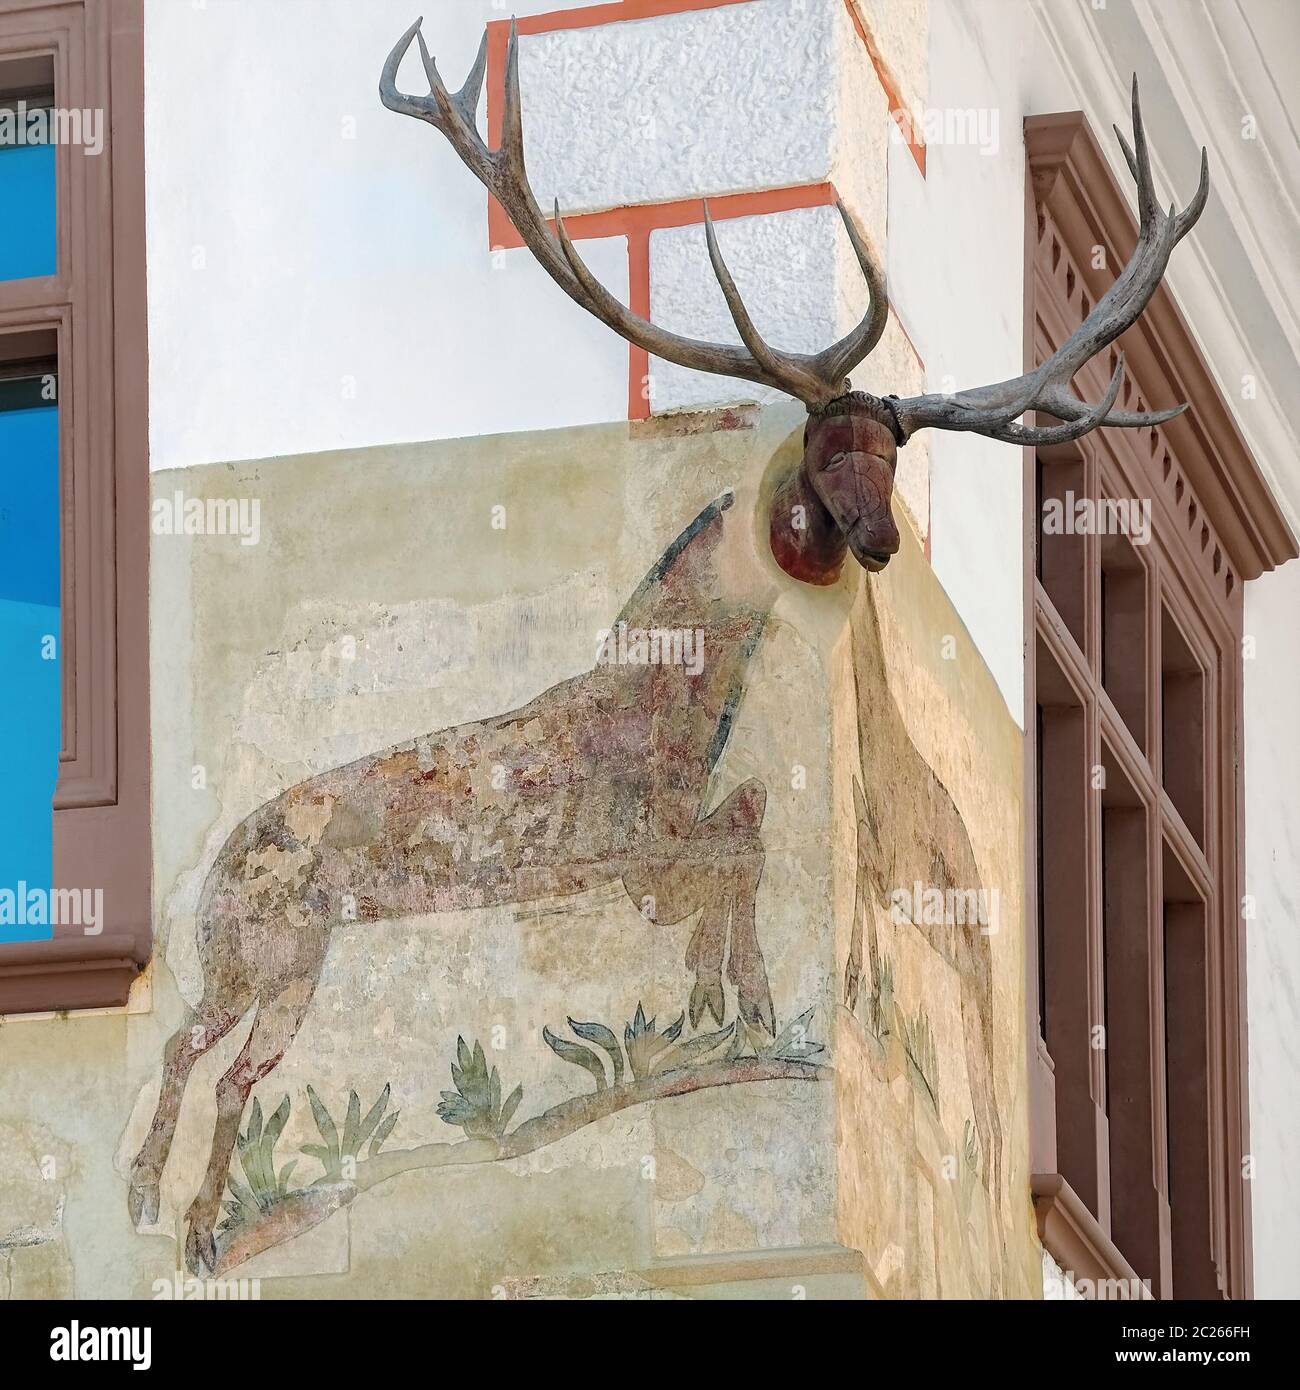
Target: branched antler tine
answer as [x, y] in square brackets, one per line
[1124, 302]
[452, 115]
[749, 335]
[1148, 205]
[1060, 402]
[430, 66]
[468, 96]
[838, 360]
[1071, 429]
[395, 100]
[1190, 215]
[1127, 150]
[512, 114]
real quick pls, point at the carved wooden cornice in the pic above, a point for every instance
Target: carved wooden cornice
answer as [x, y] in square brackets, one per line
[1073, 184]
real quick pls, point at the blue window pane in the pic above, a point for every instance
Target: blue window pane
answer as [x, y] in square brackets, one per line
[30, 693]
[27, 212]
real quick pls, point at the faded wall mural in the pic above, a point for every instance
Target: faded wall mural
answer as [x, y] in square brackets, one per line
[927, 1059]
[603, 778]
[619, 971]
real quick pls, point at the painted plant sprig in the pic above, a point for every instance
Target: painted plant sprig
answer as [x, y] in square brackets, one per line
[646, 1051]
[340, 1152]
[476, 1105]
[263, 1186]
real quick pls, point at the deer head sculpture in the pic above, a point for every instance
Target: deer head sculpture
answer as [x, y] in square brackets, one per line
[840, 498]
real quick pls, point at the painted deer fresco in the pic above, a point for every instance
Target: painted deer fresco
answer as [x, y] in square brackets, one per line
[604, 778]
[910, 831]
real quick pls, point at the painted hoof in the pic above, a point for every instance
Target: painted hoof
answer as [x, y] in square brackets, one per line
[200, 1251]
[707, 994]
[755, 1005]
[142, 1201]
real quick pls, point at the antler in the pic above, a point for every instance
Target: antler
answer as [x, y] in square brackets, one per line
[993, 410]
[816, 380]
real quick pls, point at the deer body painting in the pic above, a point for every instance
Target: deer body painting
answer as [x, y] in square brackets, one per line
[605, 777]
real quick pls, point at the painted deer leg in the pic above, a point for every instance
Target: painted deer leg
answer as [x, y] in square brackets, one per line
[704, 957]
[977, 1026]
[715, 870]
[190, 1041]
[736, 821]
[746, 968]
[277, 1021]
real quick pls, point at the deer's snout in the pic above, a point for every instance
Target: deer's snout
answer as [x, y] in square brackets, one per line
[858, 490]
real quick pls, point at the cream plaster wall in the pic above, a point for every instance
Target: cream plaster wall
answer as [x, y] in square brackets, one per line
[1272, 778]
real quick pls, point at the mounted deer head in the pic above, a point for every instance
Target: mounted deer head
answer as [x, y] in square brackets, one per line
[839, 500]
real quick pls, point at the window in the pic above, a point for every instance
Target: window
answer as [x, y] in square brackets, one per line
[1139, 546]
[74, 829]
[28, 242]
[30, 699]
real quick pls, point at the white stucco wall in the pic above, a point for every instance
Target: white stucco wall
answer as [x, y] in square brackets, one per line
[318, 267]
[1272, 775]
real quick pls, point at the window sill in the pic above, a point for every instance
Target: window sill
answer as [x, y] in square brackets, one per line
[40, 976]
[1073, 1237]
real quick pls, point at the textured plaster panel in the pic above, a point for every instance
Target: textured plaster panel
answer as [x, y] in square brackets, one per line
[721, 100]
[784, 267]
[864, 134]
[1272, 777]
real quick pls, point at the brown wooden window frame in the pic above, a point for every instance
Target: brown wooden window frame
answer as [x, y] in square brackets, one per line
[91, 316]
[1119, 871]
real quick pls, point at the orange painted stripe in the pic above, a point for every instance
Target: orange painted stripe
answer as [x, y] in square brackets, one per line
[638, 362]
[644, 218]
